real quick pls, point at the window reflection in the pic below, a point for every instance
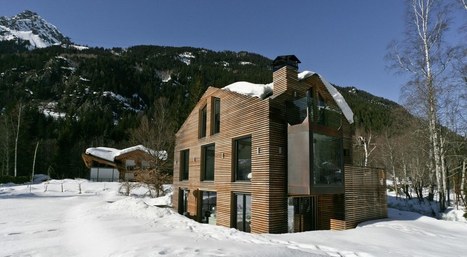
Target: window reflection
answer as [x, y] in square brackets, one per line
[327, 160]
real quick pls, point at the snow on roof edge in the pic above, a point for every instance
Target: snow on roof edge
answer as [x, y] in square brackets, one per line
[109, 154]
[264, 90]
[251, 89]
[338, 98]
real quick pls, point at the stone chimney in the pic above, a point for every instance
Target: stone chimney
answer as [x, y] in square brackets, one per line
[285, 73]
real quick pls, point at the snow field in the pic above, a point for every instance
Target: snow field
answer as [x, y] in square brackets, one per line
[100, 222]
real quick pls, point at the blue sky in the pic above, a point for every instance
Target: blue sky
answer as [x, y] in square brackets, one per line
[344, 41]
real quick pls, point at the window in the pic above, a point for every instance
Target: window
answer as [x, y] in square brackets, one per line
[327, 160]
[242, 160]
[184, 164]
[203, 116]
[207, 165]
[328, 115]
[299, 109]
[208, 207]
[242, 212]
[216, 116]
[183, 201]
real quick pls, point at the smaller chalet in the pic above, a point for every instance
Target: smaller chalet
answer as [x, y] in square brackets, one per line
[110, 164]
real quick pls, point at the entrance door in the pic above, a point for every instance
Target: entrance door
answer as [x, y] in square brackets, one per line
[304, 216]
[183, 201]
[208, 207]
[243, 212]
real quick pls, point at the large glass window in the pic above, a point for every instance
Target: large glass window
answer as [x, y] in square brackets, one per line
[243, 212]
[298, 109]
[327, 160]
[216, 125]
[207, 165]
[208, 207]
[203, 119]
[328, 115]
[184, 164]
[243, 159]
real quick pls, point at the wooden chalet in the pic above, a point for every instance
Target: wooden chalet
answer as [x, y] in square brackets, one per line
[110, 164]
[275, 162]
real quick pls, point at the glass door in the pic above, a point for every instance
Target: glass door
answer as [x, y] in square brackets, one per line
[243, 212]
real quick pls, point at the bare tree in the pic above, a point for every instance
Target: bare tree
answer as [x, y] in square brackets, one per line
[425, 58]
[157, 132]
[17, 138]
[464, 4]
[364, 140]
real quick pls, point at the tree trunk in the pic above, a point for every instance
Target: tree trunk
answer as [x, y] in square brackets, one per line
[34, 162]
[463, 191]
[16, 141]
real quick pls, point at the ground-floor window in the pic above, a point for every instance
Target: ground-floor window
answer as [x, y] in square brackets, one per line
[242, 212]
[183, 201]
[208, 207]
[302, 214]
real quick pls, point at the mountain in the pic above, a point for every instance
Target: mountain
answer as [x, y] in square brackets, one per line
[28, 26]
[73, 98]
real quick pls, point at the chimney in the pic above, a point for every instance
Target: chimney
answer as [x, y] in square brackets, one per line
[285, 73]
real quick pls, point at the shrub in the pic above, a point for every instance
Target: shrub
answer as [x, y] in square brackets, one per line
[15, 180]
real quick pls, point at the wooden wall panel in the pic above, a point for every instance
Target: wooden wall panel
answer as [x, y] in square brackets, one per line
[365, 195]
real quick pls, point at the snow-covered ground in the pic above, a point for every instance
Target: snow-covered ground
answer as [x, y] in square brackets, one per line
[100, 222]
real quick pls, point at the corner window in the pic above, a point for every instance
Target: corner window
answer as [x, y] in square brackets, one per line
[299, 109]
[216, 116]
[328, 115]
[203, 116]
[184, 164]
[242, 156]
[207, 165]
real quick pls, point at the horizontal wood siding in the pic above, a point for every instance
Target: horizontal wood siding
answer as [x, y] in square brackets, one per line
[365, 195]
[264, 120]
[239, 116]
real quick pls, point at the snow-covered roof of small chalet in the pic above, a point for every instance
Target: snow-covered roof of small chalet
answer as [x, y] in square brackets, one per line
[264, 90]
[110, 154]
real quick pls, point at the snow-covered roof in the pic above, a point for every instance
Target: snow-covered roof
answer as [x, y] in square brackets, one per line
[110, 154]
[338, 98]
[250, 89]
[264, 90]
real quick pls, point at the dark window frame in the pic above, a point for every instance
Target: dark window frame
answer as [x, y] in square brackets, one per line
[203, 121]
[246, 226]
[236, 175]
[216, 116]
[204, 214]
[185, 164]
[183, 201]
[204, 163]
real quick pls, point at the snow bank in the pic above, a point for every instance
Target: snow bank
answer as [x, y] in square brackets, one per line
[101, 222]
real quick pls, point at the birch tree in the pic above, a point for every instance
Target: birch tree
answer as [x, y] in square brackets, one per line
[365, 141]
[424, 56]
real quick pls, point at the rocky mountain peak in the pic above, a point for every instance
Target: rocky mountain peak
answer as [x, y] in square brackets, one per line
[30, 27]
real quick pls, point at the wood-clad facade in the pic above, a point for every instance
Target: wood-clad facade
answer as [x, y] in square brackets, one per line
[233, 164]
